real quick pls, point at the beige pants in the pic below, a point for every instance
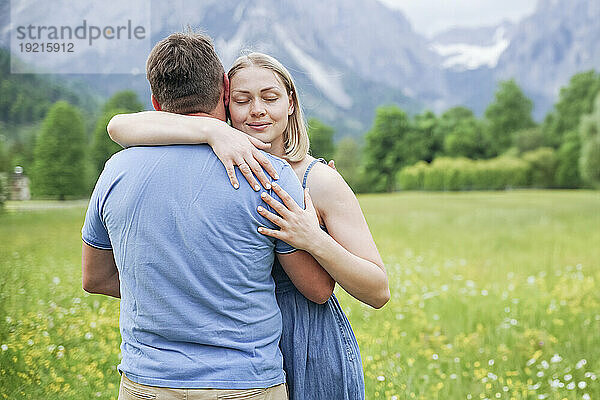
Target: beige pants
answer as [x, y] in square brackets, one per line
[130, 390]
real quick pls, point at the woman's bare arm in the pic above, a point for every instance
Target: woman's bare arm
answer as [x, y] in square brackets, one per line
[348, 253]
[233, 147]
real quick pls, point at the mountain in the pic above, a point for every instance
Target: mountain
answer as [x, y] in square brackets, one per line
[483, 36]
[541, 52]
[344, 64]
[348, 57]
[559, 40]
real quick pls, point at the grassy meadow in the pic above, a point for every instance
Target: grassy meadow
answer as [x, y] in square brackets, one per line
[494, 296]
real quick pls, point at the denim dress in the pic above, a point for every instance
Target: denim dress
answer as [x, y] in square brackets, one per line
[320, 353]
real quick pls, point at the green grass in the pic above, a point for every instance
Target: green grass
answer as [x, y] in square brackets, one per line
[494, 295]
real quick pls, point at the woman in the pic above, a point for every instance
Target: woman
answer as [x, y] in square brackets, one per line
[321, 355]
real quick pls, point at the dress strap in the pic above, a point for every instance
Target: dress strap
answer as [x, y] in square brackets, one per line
[313, 162]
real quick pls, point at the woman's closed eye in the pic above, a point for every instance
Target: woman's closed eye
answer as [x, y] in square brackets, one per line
[246, 101]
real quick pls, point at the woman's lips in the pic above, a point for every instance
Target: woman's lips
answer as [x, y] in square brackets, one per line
[259, 126]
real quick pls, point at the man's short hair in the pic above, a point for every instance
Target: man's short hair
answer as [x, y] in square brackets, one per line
[185, 73]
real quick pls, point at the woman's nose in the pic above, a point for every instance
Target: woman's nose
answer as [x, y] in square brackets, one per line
[257, 109]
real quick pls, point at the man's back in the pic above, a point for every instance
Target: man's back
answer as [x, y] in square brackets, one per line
[197, 297]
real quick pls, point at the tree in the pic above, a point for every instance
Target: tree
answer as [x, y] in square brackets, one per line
[3, 190]
[575, 99]
[4, 169]
[466, 140]
[567, 173]
[528, 139]
[102, 145]
[126, 100]
[589, 161]
[4, 155]
[26, 98]
[22, 148]
[446, 124]
[543, 164]
[59, 153]
[347, 158]
[420, 140]
[383, 152]
[509, 112]
[321, 139]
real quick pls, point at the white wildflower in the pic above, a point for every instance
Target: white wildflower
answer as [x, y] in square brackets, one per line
[556, 359]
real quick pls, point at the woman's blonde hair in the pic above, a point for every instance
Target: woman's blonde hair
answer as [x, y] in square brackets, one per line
[295, 136]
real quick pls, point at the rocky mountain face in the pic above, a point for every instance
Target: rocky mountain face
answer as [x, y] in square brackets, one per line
[348, 57]
[547, 48]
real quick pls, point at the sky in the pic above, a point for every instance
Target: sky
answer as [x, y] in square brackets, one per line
[429, 17]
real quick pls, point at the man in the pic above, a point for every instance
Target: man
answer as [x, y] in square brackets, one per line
[167, 233]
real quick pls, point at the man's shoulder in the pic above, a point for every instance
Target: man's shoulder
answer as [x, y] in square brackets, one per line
[131, 154]
[286, 173]
[277, 162]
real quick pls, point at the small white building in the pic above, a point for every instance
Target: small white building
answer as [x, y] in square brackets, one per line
[19, 185]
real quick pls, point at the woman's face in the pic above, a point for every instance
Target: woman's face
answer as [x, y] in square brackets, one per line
[259, 105]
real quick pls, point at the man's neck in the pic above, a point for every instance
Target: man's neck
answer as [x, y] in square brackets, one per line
[202, 114]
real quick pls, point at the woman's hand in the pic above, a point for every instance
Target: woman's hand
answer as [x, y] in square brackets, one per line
[235, 148]
[299, 228]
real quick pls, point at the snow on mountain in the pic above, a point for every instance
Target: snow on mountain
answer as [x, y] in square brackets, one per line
[462, 56]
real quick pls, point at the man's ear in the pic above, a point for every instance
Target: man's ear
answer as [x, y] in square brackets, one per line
[155, 104]
[225, 89]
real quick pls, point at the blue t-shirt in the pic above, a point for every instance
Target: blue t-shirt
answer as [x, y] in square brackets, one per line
[198, 307]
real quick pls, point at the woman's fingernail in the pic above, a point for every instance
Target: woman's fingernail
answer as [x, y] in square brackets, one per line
[260, 209]
[263, 195]
[267, 186]
[257, 188]
[260, 229]
[235, 186]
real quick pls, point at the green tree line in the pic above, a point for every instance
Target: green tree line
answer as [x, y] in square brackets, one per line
[400, 151]
[455, 150]
[26, 98]
[65, 159]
